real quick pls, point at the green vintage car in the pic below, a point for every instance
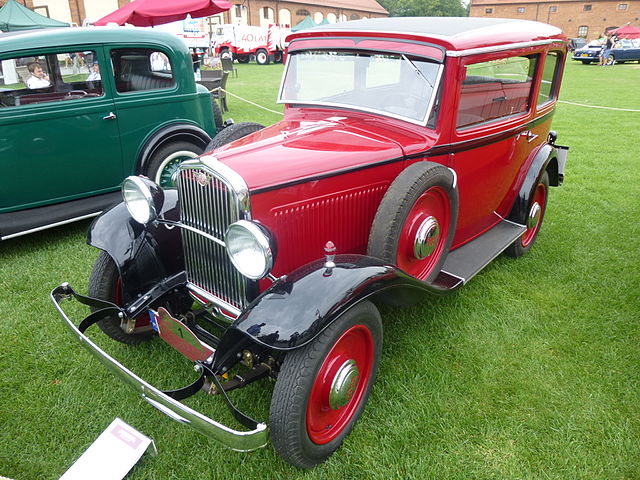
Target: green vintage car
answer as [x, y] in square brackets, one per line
[83, 108]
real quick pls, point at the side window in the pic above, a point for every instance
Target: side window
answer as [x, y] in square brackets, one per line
[52, 77]
[138, 69]
[495, 89]
[548, 87]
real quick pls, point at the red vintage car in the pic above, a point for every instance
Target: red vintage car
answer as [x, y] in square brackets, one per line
[412, 152]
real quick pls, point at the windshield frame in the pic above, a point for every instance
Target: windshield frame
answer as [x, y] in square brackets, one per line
[343, 106]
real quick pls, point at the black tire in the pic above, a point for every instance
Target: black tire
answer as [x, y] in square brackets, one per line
[233, 132]
[422, 193]
[278, 56]
[217, 114]
[262, 57]
[294, 398]
[523, 244]
[165, 161]
[104, 284]
[243, 58]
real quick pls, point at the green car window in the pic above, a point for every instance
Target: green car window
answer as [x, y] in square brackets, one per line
[137, 69]
[53, 77]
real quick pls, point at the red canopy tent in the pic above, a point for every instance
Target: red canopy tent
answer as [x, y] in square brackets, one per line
[147, 13]
[627, 31]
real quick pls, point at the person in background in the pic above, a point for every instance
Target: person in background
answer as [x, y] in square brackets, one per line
[606, 50]
[95, 73]
[37, 79]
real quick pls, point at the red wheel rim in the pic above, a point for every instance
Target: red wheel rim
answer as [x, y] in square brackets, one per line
[540, 199]
[324, 423]
[432, 203]
[141, 320]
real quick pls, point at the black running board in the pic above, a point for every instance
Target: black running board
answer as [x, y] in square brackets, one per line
[465, 262]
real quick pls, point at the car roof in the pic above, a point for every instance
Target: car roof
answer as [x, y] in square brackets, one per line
[54, 37]
[453, 33]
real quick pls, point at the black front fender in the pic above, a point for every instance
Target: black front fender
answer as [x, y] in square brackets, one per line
[299, 306]
[144, 254]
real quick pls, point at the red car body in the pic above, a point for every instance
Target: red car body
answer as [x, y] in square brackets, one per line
[367, 189]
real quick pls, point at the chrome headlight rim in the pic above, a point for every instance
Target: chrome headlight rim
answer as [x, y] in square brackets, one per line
[138, 190]
[262, 238]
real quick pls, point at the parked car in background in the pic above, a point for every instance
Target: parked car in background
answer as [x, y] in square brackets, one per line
[412, 152]
[589, 53]
[108, 103]
[625, 50]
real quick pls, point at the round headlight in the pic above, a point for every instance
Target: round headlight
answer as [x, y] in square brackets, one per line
[249, 247]
[143, 198]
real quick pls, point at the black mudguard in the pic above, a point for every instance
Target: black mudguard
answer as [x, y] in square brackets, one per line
[299, 306]
[545, 159]
[144, 254]
[170, 133]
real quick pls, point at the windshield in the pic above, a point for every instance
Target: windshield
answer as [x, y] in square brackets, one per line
[389, 84]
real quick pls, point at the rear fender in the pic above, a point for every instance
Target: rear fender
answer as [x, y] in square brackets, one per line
[299, 306]
[144, 254]
[545, 158]
[167, 134]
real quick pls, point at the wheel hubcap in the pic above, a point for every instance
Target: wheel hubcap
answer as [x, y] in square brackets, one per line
[344, 384]
[534, 215]
[424, 234]
[427, 238]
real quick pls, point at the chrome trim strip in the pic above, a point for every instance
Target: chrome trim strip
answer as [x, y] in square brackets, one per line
[454, 276]
[51, 225]
[498, 48]
[233, 439]
[218, 302]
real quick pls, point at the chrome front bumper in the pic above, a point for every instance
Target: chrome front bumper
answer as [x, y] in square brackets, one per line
[242, 441]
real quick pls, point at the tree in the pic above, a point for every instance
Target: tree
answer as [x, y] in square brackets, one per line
[425, 8]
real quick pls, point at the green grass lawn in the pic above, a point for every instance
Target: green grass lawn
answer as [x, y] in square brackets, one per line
[530, 371]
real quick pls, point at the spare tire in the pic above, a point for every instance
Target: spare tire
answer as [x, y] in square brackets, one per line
[416, 220]
[233, 132]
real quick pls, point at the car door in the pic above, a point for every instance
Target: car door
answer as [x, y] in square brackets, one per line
[148, 94]
[489, 146]
[59, 141]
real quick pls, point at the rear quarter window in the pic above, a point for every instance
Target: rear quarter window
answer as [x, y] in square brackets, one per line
[139, 69]
[550, 78]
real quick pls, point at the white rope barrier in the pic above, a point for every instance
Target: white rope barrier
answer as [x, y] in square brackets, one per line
[248, 101]
[597, 106]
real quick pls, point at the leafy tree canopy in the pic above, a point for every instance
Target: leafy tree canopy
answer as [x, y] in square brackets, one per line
[425, 8]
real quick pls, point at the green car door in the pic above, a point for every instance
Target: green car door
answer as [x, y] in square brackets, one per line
[60, 137]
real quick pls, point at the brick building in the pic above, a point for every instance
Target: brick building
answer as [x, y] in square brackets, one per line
[246, 12]
[577, 18]
[265, 12]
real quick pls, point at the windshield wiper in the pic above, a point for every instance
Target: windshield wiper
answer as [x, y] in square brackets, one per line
[413, 65]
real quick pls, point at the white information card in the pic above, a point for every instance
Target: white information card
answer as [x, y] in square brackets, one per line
[112, 455]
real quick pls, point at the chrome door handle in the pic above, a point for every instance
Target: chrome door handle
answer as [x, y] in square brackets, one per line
[111, 116]
[530, 135]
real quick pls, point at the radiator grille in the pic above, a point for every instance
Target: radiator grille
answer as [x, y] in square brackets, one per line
[210, 205]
